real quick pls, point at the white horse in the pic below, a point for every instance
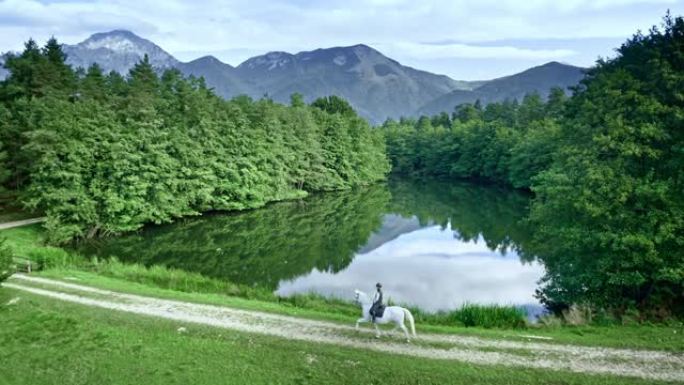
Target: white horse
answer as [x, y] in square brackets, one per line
[395, 314]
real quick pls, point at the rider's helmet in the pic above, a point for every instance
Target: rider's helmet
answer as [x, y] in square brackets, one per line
[378, 285]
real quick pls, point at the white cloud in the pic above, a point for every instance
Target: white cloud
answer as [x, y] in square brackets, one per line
[458, 50]
[226, 28]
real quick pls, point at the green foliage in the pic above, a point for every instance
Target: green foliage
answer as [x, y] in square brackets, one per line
[334, 105]
[4, 171]
[610, 209]
[606, 166]
[104, 155]
[473, 315]
[493, 214]
[53, 257]
[505, 143]
[6, 264]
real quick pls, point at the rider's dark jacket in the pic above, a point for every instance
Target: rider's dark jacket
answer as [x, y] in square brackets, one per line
[377, 303]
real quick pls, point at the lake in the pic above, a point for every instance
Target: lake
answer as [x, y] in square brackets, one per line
[432, 244]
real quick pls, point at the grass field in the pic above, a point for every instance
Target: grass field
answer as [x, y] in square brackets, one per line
[47, 342]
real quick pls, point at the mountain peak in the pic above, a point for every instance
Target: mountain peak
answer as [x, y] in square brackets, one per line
[207, 61]
[118, 50]
[539, 79]
[115, 32]
[363, 48]
[270, 60]
[556, 64]
[552, 68]
[277, 54]
[118, 40]
[358, 49]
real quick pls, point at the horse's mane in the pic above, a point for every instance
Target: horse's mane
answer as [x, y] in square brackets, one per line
[362, 294]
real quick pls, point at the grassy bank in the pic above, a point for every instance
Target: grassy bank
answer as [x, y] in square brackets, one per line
[495, 322]
[44, 340]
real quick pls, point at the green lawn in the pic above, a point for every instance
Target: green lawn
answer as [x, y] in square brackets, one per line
[23, 239]
[44, 341]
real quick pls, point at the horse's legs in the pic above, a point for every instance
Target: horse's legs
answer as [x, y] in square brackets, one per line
[377, 330]
[358, 321]
[406, 333]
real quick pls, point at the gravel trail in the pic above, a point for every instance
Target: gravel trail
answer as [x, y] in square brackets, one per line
[645, 364]
[24, 222]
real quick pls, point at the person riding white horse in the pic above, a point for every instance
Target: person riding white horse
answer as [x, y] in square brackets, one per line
[377, 308]
[391, 314]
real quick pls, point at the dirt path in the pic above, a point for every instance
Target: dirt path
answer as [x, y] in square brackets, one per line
[23, 222]
[619, 362]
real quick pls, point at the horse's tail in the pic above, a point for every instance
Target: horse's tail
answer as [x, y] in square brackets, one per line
[408, 315]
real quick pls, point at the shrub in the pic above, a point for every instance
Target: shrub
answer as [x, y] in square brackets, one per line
[472, 315]
[6, 264]
[578, 315]
[492, 316]
[550, 321]
[52, 257]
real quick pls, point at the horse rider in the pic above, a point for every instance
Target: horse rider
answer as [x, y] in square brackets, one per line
[377, 302]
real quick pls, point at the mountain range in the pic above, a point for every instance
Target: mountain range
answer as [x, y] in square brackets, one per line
[378, 87]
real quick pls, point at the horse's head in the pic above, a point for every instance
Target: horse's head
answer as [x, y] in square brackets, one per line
[360, 297]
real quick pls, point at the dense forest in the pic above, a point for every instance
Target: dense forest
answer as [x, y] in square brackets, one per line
[105, 154]
[606, 167]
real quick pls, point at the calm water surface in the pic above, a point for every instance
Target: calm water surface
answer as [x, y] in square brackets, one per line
[432, 244]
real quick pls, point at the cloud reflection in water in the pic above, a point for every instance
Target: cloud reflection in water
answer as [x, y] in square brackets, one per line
[431, 269]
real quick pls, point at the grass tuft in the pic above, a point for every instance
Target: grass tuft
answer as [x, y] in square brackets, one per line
[472, 315]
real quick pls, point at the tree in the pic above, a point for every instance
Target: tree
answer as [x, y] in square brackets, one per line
[334, 105]
[4, 171]
[534, 152]
[93, 85]
[531, 109]
[23, 68]
[467, 112]
[6, 264]
[297, 100]
[611, 204]
[555, 106]
[61, 78]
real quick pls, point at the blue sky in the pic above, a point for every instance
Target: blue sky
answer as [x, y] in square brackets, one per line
[463, 39]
